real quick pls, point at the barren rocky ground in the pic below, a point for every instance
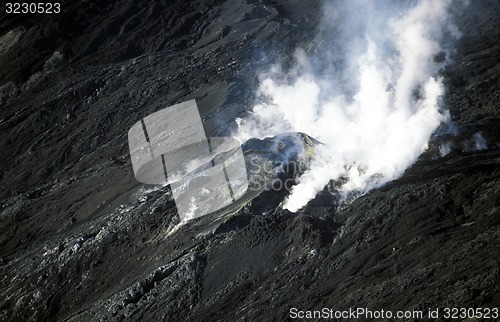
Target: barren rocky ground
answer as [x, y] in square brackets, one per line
[82, 240]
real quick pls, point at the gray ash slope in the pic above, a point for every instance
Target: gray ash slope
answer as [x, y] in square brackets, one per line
[82, 240]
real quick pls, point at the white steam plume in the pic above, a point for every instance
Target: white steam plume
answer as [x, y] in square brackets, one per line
[376, 105]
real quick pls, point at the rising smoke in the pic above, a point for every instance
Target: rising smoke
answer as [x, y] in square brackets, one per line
[370, 90]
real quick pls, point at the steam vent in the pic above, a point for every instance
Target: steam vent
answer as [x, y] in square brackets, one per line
[250, 160]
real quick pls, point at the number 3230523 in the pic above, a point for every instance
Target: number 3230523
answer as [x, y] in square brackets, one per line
[40, 7]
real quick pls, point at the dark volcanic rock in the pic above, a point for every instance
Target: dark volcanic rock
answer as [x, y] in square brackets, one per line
[83, 240]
